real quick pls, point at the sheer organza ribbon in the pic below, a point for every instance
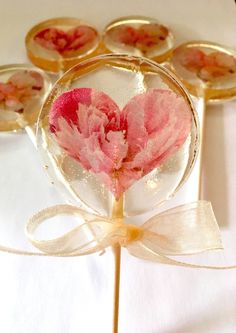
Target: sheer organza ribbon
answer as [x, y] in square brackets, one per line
[183, 230]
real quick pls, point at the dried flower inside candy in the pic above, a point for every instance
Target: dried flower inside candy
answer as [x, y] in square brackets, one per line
[120, 146]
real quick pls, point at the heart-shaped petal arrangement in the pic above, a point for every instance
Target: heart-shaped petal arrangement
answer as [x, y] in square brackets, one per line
[66, 42]
[210, 66]
[144, 38]
[120, 147]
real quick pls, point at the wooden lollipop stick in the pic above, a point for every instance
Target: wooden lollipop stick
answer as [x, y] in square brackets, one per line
[117, 213]
[117, 255]
[201, 110]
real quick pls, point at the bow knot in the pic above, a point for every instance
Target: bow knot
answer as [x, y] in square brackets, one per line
[131, 233]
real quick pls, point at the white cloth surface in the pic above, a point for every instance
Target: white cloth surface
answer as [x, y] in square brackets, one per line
[68, 295]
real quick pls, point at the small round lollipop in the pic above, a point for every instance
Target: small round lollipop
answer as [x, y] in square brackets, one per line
[141, 36]
[208, 70]
[58, 44]
[23, 89]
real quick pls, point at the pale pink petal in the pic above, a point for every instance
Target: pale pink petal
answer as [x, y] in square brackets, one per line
[116, 148]
[106, 105]
[137, 135]
[171, 128]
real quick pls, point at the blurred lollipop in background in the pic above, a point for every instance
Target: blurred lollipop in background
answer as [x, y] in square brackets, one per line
[208, 71]
[140, 36]
[57, 44]
[23, 89]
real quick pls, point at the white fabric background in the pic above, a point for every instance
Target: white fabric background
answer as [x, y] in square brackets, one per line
[48, 295]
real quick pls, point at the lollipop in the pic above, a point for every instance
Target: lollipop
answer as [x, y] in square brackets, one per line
[120, 149]
[58, 44]
[209, 72]
[152, 169]
[140, 36]
[23, 89]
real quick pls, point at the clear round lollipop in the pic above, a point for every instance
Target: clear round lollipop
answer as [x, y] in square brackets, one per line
[23, 89]
[57, 44]
[125, 102]
[140, 36]
[208, 70]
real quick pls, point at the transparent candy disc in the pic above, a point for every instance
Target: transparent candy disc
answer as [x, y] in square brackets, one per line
[125, 80]
[139, 36]
[208, 70]
[58, 44]
[23, 89]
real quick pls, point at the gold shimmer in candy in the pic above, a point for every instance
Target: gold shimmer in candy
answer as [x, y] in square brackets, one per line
[23, 89]
[140, 36]
[60, 43]
[208, 70]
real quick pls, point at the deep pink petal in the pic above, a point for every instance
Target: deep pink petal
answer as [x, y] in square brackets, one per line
[66, 106]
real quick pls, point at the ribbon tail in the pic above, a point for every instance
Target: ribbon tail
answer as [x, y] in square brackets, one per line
[143, 252]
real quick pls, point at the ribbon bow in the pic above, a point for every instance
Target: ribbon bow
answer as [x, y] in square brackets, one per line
[186, 229]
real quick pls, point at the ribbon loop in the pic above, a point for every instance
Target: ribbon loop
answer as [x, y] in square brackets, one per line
[185, 229]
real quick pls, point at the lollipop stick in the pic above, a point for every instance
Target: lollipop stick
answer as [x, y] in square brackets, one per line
[117, 213]
[117, 255]
[201, 110]
[30, 130]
